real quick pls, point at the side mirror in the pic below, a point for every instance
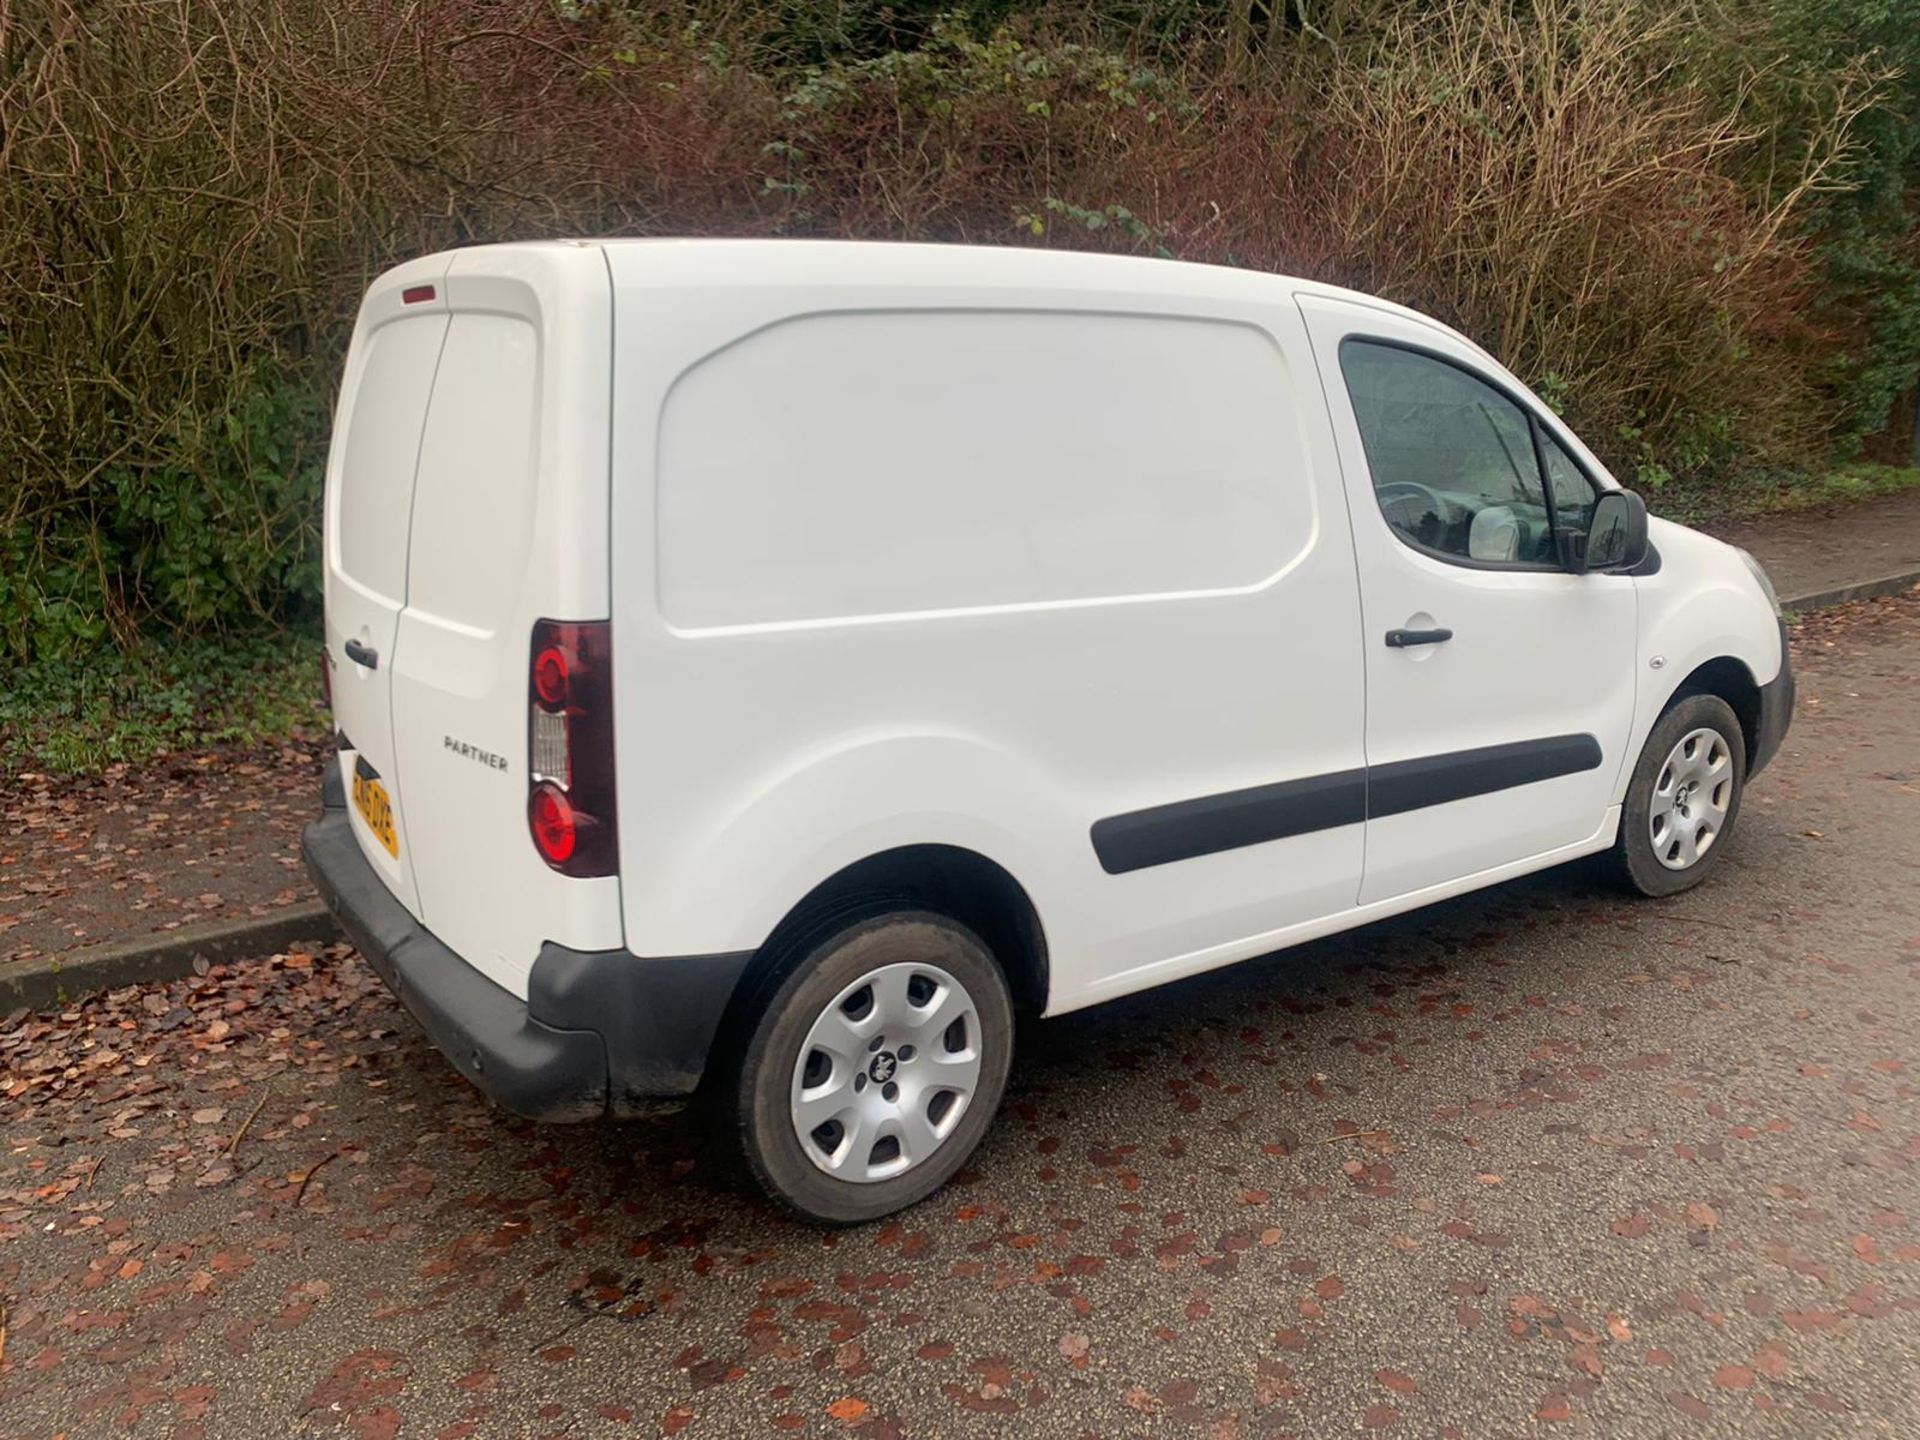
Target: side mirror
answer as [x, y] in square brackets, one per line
[1617, 533]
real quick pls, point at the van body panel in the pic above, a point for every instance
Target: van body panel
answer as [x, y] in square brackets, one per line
[1007, 708]
[786, 520]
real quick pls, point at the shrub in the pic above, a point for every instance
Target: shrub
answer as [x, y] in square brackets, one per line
[125, 706]
[1545, 177]
[1797, 53]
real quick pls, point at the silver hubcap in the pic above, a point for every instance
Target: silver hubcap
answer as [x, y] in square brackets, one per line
[886, 1072]
[1690, 799]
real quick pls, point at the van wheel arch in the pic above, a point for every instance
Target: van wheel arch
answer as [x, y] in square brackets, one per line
[1731, 681]
[949, 880]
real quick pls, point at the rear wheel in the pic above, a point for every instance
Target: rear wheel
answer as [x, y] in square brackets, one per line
[875, 1067]
[1683, 799]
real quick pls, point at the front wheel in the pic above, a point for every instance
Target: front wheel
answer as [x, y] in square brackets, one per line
[875, 1067]
[1683, 799]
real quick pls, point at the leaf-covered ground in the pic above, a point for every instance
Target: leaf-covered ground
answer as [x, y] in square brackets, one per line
[207, 835]
[1539, 1161]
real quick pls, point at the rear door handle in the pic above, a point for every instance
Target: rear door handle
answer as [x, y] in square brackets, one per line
[368, 656]
[1401, 639]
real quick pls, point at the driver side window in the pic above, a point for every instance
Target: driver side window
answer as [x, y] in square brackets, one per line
[1452, 459]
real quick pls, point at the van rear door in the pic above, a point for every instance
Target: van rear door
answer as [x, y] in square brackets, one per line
[509, 527]
[369, 499]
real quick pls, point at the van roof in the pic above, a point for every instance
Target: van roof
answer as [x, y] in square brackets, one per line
[854, 263]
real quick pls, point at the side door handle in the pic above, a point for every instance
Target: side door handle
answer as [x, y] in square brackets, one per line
[1401, 639]
[368, 656]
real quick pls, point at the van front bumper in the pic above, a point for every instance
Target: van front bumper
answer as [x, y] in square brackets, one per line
[1776, 711]
[601, 1032]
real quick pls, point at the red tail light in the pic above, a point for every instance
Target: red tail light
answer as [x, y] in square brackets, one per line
[570, 794]
[555, 834]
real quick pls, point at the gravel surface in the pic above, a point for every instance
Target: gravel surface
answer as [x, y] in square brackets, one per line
[150, 848]
[1540, 1161]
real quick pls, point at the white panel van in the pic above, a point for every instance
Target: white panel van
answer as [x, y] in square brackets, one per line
[763, 668]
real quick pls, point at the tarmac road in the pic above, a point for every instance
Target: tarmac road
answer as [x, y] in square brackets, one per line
[1540, 1161]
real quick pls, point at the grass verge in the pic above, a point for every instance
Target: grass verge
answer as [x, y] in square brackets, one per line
[79, 717]
[1776, 494]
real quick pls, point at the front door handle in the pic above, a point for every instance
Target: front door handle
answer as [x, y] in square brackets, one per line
[363, 655]
[1401, 639]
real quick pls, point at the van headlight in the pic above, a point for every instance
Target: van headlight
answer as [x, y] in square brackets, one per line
[1760, 574]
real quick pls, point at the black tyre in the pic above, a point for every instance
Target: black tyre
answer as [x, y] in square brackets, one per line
[1683, 799]
[874, 1067]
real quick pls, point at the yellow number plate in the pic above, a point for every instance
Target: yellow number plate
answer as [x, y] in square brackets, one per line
[370, 799]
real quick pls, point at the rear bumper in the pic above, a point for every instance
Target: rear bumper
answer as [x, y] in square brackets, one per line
[601, 1032]
[1776, 711]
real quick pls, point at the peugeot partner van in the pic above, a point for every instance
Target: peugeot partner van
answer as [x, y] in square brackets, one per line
[763, 668]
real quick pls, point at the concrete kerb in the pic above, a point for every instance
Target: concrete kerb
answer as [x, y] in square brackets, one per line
[1862, 590]
[51, 981]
